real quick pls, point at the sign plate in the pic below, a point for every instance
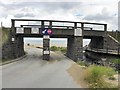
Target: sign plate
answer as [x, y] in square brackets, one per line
[47, 32]
[35, 30]
[19, 30]
[46, 52]
[13, 39]
[46, 36]
[78, 32]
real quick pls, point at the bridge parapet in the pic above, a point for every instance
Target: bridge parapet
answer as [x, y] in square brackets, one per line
[60, 28]
[67, 25]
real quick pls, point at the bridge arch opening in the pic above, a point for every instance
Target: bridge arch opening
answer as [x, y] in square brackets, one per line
[33, 46]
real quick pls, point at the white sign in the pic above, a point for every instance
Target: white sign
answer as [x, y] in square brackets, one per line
[35, 30]
[19, 30]
[13, 39]
[46, 36]
[46, 52]
[70, 28]
[78, 32]
[46, 26]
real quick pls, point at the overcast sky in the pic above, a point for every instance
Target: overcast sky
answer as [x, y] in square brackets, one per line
[103, 11]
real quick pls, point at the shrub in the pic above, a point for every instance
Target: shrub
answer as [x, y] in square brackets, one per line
[54, 48]
[115, 61]
[94, 75]
[62, 49]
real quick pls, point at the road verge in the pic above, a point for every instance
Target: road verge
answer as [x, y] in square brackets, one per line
[14, 60]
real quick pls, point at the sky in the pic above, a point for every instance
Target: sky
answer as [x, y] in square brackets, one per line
[101, 11]
[61, 42]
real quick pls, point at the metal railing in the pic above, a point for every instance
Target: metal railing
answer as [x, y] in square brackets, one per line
[61, 24]
[107, 51]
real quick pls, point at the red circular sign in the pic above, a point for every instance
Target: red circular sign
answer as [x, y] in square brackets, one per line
[49, 31]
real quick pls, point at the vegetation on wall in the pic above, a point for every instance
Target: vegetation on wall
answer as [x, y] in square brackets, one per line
[4, 32]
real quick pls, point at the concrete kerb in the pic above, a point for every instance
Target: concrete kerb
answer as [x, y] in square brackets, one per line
[14, 60]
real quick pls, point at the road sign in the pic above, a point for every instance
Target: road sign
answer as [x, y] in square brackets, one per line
[47, 32]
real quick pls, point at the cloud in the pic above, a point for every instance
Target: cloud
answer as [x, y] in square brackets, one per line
[41, 9]
[104, 15]
[20, 15]
[84, 10]
[51, 6]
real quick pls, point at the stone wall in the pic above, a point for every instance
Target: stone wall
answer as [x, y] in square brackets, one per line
[112, 43]
[104, 42]
[74, 48]
[115, 34]
[12, 50]
[96, 42]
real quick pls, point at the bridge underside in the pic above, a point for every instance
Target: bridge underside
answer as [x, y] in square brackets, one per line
[74, 45]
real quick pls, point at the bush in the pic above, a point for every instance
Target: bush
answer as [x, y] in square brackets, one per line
[94, 75]
[62, 49]
[54, 48]
[115, 61]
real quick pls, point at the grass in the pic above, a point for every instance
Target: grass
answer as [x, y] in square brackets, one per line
[5, 33]
[95, 75]
[62, 49]
[82, 63]
[115, 61]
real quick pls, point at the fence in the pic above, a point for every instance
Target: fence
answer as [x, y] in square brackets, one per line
[107, 51]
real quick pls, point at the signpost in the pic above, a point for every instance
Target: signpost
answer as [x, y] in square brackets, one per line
[46, 43]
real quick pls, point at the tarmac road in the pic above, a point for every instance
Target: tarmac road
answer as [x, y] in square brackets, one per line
[33, 72]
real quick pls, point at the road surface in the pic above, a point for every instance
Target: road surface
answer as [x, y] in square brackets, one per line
[33, 72]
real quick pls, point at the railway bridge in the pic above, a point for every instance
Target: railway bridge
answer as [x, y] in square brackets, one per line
[75, 32]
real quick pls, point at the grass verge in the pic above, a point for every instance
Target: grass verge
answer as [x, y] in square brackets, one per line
[95, 75]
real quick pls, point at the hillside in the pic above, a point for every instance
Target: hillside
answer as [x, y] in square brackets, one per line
[4, 32]
[115, 34]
